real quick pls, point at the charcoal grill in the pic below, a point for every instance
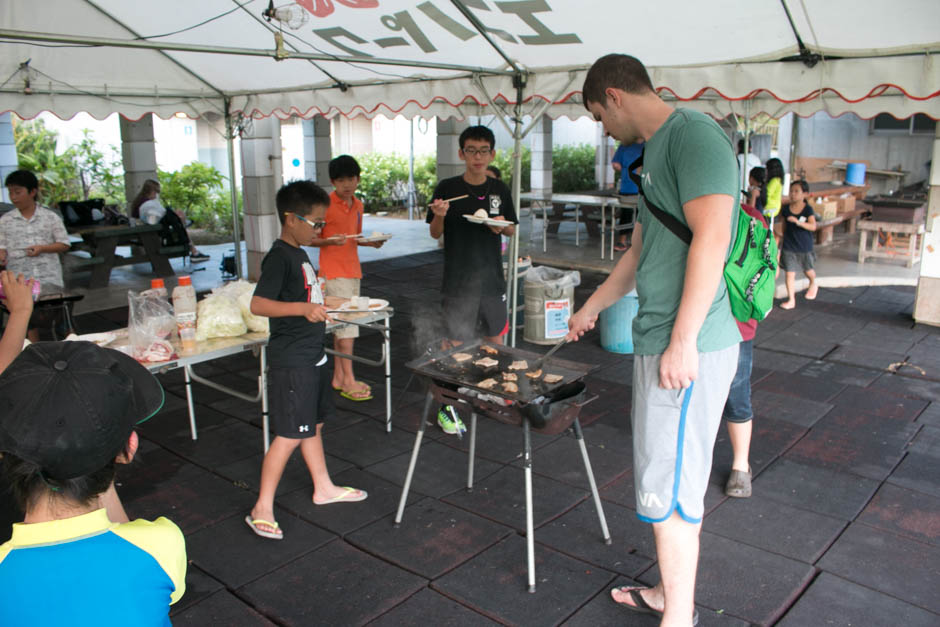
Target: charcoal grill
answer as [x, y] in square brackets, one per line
[536, 406]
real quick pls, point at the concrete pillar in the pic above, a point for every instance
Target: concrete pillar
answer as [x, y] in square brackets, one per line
[139, 154]
[210, 142]
[927, 302]
[8, 160]
[448, 143]
[317, 151]
[261, 178]
[541, 177]
[603, 171]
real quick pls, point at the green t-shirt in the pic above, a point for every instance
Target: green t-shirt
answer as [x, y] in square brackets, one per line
[688, 157]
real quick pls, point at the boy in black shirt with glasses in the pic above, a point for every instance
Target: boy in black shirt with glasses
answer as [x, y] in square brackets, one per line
[474, 288]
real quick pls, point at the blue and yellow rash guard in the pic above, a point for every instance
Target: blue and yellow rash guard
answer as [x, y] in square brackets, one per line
[87, 570]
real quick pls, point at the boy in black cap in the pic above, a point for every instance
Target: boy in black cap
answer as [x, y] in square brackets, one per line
[288, 292]
[67, 417]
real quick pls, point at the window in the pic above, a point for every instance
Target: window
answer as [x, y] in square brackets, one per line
[885, 123]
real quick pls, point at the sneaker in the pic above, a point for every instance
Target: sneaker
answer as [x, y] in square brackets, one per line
[198, 257]
[449, 421]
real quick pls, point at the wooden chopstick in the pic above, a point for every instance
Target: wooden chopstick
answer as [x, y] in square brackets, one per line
[456, 198]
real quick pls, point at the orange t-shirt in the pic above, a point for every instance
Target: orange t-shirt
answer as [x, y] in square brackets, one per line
[341, 262]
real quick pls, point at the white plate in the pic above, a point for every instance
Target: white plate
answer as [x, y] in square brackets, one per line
[381, 237]
[101, 339]
[487, 221]
[374, 304]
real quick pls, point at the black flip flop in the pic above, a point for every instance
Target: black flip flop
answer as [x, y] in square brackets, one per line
[641, 606]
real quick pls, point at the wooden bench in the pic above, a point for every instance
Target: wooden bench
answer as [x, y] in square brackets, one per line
[824, 228]
[902, 241]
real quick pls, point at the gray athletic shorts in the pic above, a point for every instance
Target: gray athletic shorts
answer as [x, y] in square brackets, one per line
[674, 434]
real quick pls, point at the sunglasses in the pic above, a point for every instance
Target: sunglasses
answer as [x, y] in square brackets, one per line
[319, 224]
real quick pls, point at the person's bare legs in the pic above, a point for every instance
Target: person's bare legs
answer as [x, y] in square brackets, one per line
[315, 458]
[740, 435]
[343, 377]
[271, 470]
[791, 291]
[677, 543]
[813, 288]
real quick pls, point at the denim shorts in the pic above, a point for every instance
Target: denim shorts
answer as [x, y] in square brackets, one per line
[738, 405]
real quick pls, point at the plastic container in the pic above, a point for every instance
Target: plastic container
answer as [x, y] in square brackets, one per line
[855, 173]
[184, 306]
[549, 302]
[158, 286]
[617, 324]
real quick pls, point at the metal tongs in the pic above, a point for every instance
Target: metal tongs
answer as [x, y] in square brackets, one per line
[541, 360]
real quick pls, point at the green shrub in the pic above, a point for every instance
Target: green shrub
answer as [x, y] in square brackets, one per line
[573, 168]
[384, 179]
[197, 190]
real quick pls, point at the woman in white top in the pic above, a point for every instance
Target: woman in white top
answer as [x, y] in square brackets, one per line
[147, 207]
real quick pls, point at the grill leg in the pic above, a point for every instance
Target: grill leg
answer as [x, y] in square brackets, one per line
[414, 458]
[590, 475]
[473, 449]
[529, 525]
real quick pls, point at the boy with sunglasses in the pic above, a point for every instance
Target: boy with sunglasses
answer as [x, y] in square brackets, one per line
[288, 293]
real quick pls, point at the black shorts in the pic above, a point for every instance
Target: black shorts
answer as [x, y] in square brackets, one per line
[300, 398]
[469, 316]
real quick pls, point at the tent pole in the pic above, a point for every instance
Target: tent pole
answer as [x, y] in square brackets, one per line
[747, 142]
[519, 81]
[236, 231]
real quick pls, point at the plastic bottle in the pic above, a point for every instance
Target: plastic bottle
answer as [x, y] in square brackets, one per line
[184, 304]
[158, 286]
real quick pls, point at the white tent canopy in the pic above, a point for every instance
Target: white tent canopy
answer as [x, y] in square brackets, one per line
[454, 58]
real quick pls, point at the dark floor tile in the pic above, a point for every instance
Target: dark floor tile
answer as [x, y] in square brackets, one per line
[495, 583]
[343, 518]
[439, 470]
[803, 387]
[428, 607]
[204, 395]
[334, 585]
[744, 581]
[498, 441]
[233, 554]
[919, 473]
[819, 490]
[798, 411]
[908, 386]
[246, 411]
[775, 527]
[877, 402]
[610, 451]
[888, 563]
[620, 372]
[199, 586]
[769, 439]
[886, 337]
[246, 473]
[831, 600]
[222, 608]
[366, 443]
[905, 513]
[865, 357]
[432, 538]
[798, 343]
[927, 442]
[839, 373]
[501, 497]
[931, 415]
[171, 424]
[229, 442]
[578, 534]
[872, 454]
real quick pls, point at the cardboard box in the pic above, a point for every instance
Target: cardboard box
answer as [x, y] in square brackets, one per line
[845, 204]
[826, 209]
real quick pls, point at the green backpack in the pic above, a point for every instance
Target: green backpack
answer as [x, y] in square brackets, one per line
[751, 268]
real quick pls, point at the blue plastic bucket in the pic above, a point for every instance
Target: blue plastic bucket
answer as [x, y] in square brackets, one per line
[855, 174]
[617, 324]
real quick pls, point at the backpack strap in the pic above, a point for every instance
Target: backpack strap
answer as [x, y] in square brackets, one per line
[672, 223]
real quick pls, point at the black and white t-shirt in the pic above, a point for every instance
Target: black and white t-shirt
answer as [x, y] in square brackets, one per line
[288, 276]
[472, 255]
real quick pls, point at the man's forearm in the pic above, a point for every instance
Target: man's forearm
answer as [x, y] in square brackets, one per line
[703, 271]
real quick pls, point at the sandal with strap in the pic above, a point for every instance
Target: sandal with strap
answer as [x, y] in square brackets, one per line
[640, 605]
[272, 535]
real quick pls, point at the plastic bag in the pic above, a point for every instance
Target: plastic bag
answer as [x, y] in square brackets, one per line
[241, 292]
[553, 276]
[150, 326]
[217, 315]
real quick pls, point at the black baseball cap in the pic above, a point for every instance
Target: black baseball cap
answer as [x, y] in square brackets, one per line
[70, 406]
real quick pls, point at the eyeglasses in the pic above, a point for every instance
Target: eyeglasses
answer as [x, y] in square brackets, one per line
[319, 224]
[472, 152]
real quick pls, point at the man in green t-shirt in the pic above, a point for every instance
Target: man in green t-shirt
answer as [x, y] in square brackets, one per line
[685, 338]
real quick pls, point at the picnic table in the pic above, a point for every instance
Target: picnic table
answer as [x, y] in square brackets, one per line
[556, 202]
[101, 241]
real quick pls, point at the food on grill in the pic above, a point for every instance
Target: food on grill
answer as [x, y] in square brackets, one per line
[480, 213]
[522, 364]
[486, 362]
[461, 357]
[486, 384]
[510, 376]
[510, 387]
[552, 378]
[489, 350]
[535, 374]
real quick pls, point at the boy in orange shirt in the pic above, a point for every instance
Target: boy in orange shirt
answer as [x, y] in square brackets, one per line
[339, 265]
